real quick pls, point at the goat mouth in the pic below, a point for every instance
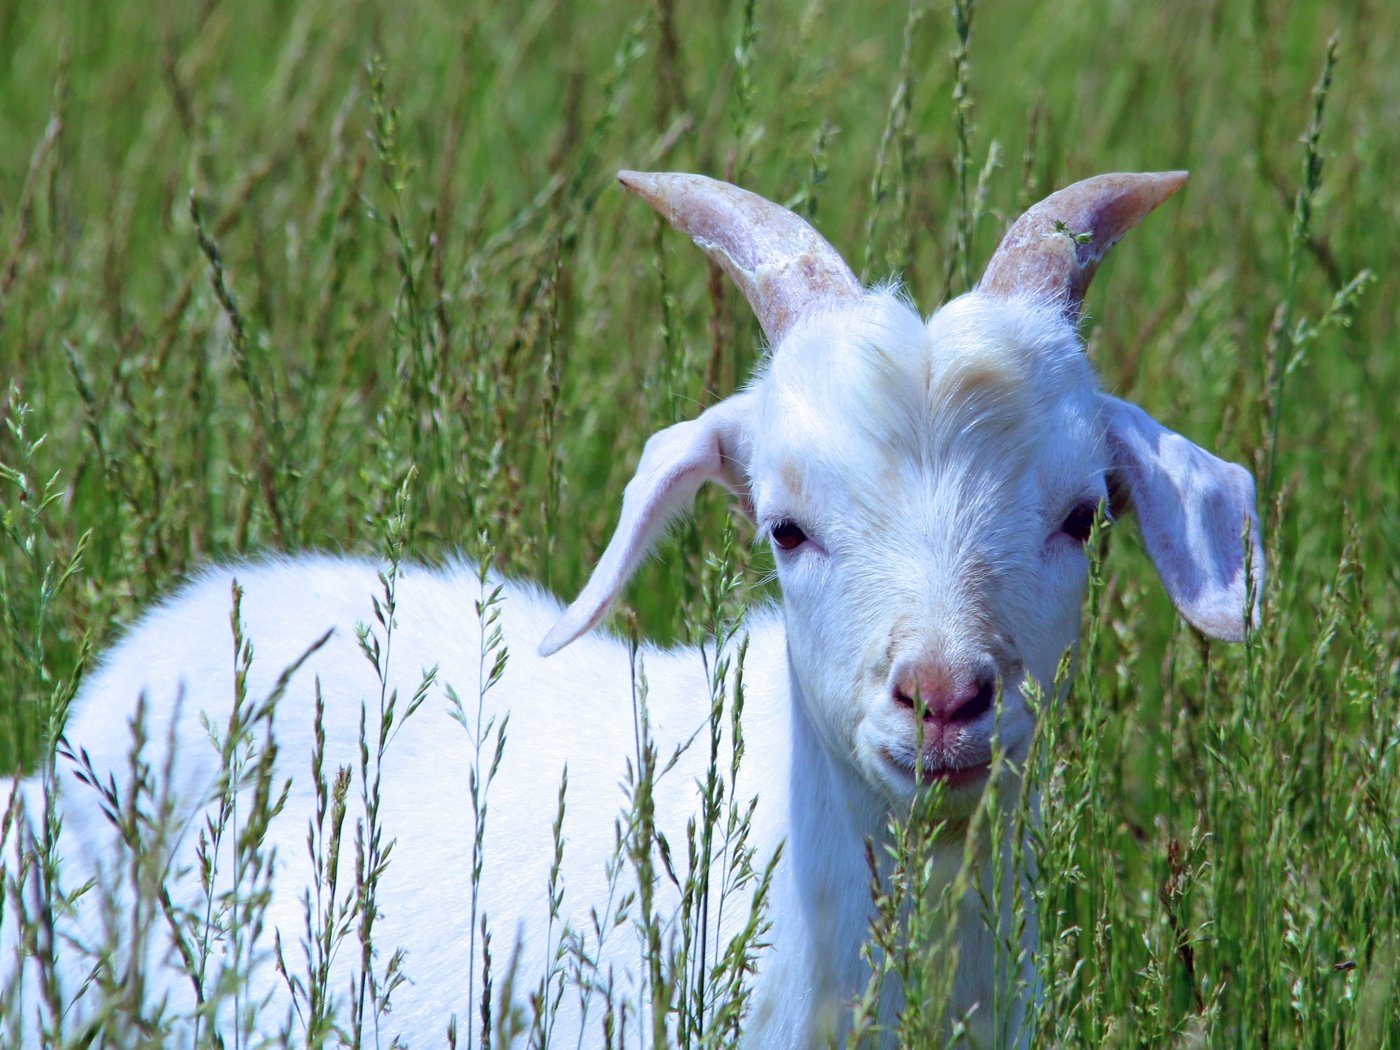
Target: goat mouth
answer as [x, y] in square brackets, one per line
[950, 775]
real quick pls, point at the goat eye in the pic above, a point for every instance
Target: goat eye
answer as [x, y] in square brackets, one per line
[787, 534]
[1080, 522]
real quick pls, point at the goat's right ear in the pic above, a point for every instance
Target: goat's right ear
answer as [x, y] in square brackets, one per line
[675, 463]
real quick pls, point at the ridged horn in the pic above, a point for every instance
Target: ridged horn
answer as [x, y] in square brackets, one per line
[781, 264]
[1053, 249]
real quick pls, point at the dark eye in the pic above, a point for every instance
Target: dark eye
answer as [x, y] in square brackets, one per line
[787, 534]
[1080, 522]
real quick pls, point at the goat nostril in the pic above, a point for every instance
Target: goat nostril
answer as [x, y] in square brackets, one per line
[916, 702]
[978, 704]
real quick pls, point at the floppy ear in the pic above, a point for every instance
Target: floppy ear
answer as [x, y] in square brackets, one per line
[1194, 512]
[675, 463]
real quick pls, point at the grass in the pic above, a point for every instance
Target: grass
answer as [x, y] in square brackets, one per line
[267, 271]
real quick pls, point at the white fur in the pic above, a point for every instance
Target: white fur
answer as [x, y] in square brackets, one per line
[931, 466]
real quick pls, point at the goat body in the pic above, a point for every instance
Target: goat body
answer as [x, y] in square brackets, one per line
[575, 712]
[927, 487]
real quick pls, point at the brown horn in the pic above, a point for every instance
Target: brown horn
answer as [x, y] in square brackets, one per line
[1053, 249]
[779, 262]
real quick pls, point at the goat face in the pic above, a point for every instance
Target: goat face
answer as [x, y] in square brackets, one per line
[928, 488]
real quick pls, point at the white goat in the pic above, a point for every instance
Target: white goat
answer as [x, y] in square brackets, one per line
[928, 488]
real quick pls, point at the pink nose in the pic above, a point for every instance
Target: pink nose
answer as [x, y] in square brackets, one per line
[945, 697]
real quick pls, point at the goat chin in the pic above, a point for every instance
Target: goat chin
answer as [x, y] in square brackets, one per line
[928, 487]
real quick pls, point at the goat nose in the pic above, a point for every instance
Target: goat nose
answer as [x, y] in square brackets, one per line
[944, 700]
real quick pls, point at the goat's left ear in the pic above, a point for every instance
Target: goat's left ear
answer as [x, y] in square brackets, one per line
[1195, 513]
[675, 463]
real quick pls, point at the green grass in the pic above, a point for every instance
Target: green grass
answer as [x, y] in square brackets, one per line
[263, 264]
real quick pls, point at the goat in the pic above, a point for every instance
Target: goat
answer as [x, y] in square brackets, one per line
[928, 488]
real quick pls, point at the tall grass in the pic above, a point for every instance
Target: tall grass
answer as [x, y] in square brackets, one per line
[262, 264]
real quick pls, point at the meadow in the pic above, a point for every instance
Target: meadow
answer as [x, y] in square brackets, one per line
[356, 276]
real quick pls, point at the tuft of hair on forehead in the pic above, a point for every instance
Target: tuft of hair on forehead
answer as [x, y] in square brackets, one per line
[1001, 363]
[981, 371]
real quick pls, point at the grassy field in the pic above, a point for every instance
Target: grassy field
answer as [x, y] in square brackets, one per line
[261, 263]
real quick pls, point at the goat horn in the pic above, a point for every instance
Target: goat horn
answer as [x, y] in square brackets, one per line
[1053, 249]
[781, 264]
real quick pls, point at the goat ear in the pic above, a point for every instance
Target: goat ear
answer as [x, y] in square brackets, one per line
[675, 463]
[1194, 512]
